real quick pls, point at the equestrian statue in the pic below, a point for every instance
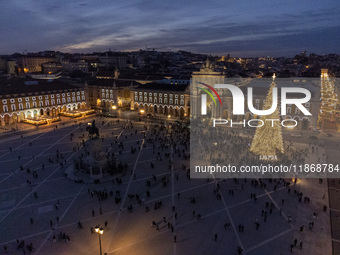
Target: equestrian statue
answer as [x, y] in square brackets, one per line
[92, 129]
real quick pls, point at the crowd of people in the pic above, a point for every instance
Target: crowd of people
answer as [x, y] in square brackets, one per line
[170, 146]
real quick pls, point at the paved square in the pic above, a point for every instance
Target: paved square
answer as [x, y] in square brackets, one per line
[38, 202]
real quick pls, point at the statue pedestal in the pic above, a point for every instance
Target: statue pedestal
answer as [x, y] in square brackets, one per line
[92, 164]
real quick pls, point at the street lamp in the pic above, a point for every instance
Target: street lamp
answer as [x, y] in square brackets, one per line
[114, 107]
[100, 231]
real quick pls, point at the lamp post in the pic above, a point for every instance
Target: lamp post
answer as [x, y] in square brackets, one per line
[100, 231]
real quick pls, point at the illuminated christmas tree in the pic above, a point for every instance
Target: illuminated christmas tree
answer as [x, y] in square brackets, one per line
[327, 114]
[267, 142]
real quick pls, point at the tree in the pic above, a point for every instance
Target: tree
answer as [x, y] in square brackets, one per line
[267, 141]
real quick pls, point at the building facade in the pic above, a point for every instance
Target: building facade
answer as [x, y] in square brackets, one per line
[31, 64]
[109, 94]
[23, 99]
[162, 99]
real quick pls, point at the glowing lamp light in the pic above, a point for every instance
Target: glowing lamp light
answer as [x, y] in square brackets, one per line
[99, 230]
[114, 107]
[141, 111]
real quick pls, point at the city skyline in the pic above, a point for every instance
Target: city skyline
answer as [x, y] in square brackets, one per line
[240, 29]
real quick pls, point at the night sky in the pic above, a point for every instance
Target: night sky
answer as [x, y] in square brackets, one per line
[240, 28]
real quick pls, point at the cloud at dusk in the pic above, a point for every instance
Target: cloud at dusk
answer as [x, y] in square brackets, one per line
[243, 28]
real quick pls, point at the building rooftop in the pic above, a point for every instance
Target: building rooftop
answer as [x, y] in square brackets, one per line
[28, 85]
[162, 87]
[111, 82]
